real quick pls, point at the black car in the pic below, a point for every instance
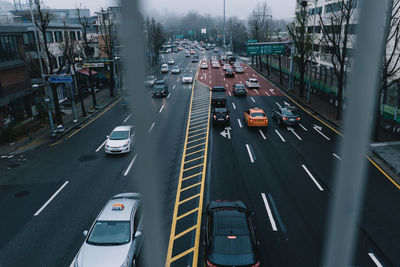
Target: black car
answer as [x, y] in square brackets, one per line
[229, 236]
[229, 73]
[239, 89]
[160, 88]
[195, 59]
[219, 109]
[286, 116]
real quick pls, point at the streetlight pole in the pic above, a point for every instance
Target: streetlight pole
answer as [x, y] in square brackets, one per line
[47, 99]
[312, 50]
[224, 25]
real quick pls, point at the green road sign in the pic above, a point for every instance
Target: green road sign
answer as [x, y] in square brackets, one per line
[266, 49]
[190, 32]
[252, 41]
[180, 36]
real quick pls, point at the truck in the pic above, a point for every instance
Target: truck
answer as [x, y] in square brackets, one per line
[219, 107]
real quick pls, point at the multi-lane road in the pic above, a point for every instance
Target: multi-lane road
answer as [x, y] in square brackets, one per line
[284, 175]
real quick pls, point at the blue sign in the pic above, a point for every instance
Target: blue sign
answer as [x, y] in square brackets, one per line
[60, 79]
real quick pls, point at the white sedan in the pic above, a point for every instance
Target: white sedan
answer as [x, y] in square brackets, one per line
[203, 65]
[121, 140]
[252, 83]
[171, 61]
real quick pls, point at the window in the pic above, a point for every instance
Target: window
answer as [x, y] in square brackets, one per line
[8, 48]
[110, 233]
[58, 36]
[78, 34]
[49, 37]
[334, 7]
[28, 38]
[72, 35]
[138, 216]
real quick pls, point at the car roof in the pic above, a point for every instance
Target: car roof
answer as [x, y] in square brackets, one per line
[219, 89]
[160, 81]
[123, 128]
[128, 201]
[239, 85]
[164, 65]
[238, 204]
[256, 110]
[187, 74]
[253, 79]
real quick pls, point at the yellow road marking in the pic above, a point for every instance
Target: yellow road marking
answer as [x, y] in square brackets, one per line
[200, 114]
[199, 118]
[198, 130]
[191, 176]
[383, 172]
[196, 146]
[196, 135]
[200, 109]
[194, 159]
[196, 140]
[191, 186]
[190, 168]
[200, 105]
[198, 122]
[187, 213]
[197, 151]
[197, 126]
[182, 254]
[187, 199]
[185, 232]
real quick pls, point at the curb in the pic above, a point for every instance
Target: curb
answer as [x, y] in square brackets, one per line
[60, 136]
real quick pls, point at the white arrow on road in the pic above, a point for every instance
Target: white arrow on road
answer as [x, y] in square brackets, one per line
[292, 130]
[286, 103]
[272, 91]
[226, 132]
[319, 129]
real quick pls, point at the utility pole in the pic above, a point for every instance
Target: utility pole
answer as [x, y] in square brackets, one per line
[312, 50]
[224, 25]
[47, 99]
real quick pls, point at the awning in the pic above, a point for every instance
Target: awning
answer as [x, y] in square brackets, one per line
[86, 72]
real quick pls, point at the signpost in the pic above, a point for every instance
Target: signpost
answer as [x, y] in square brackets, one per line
[252, 41]
[270, 48]
[60, 79]
[93, 65]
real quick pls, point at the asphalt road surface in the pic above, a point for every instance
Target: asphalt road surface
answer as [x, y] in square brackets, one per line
[284, 175]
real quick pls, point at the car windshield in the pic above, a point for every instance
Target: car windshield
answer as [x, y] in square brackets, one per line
[220, 110]
[288, 112]
[239, 86]
[257, 114]
[232, 235]
[119, 135]
[158, 87]
[110, 233]
[219, 89]
[253, 81]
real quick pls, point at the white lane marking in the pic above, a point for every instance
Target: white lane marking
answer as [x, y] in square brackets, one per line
[161, 109]
[283, 140]
[262, 134]
[304, 128]
[224, 79]
[168, 95]
[226, 85]
[318, 131]
[253, 99]
[229, 93]
[98, 149]
[278, 104]
[240, 124]
[50, 199]
[127, 118]
[312, 178]
[269, 212]
[130, 165]
[233, 105]
[250, 153]
[336, 156]
[375, 260]
[177, 80]
[256, 91]
[173, 87]
[292, 130]
[210, 82]
[151, 127]
[267, 93]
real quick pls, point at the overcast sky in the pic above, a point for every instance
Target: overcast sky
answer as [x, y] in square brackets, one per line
[240, 8]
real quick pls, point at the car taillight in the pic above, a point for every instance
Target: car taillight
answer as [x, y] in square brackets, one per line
[256, 265]
[227, 116]
[285, 118]
[215, 116]
[209, 264]
[298, 118]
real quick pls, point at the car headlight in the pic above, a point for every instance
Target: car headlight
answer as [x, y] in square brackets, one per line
[126, 144]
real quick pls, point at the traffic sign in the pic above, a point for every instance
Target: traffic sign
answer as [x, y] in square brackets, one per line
[93, 65]
[252, 41]
[60, 79]
[272, 48]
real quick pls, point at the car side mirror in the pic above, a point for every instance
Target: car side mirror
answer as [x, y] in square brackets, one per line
[107, 136]
[138, 234]
[84, 233]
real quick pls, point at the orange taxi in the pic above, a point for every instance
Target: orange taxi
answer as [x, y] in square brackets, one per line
[255, 117]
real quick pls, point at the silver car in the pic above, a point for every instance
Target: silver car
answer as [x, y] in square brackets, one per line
[187, 78]
[116, 236]
[121, 140]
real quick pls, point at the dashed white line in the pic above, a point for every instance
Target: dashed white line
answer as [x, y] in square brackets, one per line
[226, 85]
[130, 166]
[375, 260]
[98, 149]
[250, 153]
[229, 93]
[177, 80]
[318, 131]
[312, 178]
[127, 118]
[298, 137]
[233, 105]
[256, 91]
[252, 99]
[267, 93]
[173, 87]
[283, 140]
[269, 212]
[278, 104]
[51, 198]
[304, 128]
[262, 134]
[161, 109]
[168, 95]
[151, 127]
[240, 124]
[336, 156]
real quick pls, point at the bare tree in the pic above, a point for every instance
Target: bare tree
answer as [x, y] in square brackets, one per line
[155, 37]
[302, 42]
[336, 37]
[237, 34]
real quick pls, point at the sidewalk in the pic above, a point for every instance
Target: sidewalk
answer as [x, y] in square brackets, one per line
[386, 153]
[43, 135]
